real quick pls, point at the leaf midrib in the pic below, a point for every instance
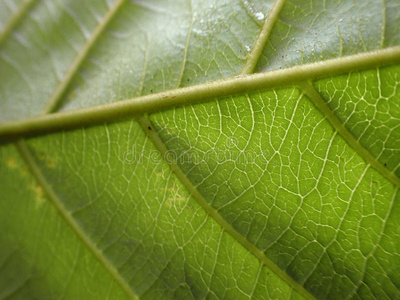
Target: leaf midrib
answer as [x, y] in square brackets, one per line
[204, 92]
[294, 76]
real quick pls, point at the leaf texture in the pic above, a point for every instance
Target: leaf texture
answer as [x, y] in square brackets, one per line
[154, 176]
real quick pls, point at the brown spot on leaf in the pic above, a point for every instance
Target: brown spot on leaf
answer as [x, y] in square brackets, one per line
[11, 162]
[51, 163]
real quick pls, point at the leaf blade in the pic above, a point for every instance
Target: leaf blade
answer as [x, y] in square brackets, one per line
[353, 241]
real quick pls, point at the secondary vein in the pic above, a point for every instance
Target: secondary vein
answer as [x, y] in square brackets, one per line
[15, 19]
[214, 214]
[185, 53]
[64, 83]
[255, 54]
[26, 154]
[35, 169]
[323, 107]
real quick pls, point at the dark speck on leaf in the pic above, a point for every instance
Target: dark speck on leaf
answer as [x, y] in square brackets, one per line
[149, 128]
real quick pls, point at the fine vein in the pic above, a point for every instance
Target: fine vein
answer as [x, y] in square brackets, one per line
[63, 84]
[383, 26]
[15, 19]
[199, 93]
[309, 90]
[185, 53]
[214, 214]
[255, 54]
[52, 196]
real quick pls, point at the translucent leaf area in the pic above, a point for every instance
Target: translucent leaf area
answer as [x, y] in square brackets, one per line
[283, 184]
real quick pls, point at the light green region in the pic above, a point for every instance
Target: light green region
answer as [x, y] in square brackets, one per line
[367, 104]
[40, 256]
[279, 174]
[133, 208]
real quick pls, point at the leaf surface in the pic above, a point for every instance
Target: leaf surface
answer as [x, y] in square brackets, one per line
[131, 167]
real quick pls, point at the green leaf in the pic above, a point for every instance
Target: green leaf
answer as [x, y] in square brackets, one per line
[141, 158]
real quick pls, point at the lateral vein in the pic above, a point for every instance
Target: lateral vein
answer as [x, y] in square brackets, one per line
[64, 83]
[255, 54]
[26, 154]
[315, 97]
[15, 19]
[214, 214]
